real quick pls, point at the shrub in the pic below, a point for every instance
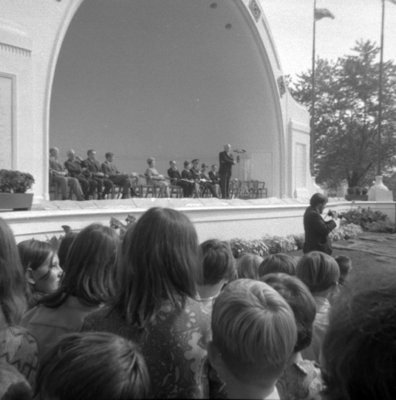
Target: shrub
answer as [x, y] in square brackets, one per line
[369, 220]
[15, 181]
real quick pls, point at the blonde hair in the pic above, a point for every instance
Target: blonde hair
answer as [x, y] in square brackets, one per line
[254, 330]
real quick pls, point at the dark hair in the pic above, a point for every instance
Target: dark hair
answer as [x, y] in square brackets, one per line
[318, 198]
[33, 253]
[64, 248]
[248, 265]
[359, 349]
[12, 278]
[217, 262]
[93, 365]
[90, 268]
[318, 271]
[283, 263]
[300, 301]
[344, 263]
[160, 261]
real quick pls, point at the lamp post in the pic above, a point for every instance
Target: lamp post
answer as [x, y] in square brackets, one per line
[313, 95]
[381, 68]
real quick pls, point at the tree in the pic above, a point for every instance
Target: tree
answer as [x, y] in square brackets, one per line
[346, 115]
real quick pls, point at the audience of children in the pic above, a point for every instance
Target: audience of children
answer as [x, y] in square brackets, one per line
[156, 305]
[254, 334]
[278, 263]
[88, 284]
[248, 266]
[145, 306]
[301, 379]
[42, 270]
[93, 366]
[320, 272]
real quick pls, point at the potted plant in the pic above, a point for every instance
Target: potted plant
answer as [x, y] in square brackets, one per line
[13, 187]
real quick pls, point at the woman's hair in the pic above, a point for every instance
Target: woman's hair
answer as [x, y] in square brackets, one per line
[64, 248]
[93, 366]
[218, 263]
[160, 261]
[318, 271]
[90, 268]
[248, 266]
[282, 263]
[318, 198]
[34, 253]
[12, 278]
[359, 349]
[300, 301]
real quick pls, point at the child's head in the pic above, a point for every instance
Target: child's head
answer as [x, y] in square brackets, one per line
[345, 265]
[93, 365]
[300, 301]
[319, 271]
[282, 263]
[248, 265]
[359, 349]
[254, 333]
[218, 263]
[159, 262]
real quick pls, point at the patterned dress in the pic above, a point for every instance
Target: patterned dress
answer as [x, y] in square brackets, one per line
[18, 348]
[174, 346]
[301, 380]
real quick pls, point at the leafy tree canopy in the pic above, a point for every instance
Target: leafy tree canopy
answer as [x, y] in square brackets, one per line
[346, 115]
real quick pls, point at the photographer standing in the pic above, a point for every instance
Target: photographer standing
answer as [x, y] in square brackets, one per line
[316, 228]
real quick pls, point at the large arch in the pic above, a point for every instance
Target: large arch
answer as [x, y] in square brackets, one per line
[278, 125]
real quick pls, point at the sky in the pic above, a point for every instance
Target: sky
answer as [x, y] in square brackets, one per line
[291, 25]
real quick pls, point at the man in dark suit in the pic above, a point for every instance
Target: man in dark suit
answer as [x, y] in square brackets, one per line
[226, 161]
[316, 228]
[104, 184]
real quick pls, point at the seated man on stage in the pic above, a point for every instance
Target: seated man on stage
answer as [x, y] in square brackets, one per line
[206, 181]
[187, 176]
[176, 179]
[111, 172]
[214, 175]
[76, 170]
[93, 166]
[59, 176]
[154, 178]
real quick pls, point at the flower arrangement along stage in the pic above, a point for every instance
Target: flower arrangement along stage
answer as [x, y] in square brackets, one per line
[13, 187]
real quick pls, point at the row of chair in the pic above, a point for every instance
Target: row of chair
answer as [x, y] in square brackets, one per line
[252, 189]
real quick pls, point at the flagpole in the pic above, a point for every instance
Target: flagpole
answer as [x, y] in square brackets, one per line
[381, 66]
[312, 137]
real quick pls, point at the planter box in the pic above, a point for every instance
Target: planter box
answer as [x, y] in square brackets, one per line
[16, 201]
[359, 197]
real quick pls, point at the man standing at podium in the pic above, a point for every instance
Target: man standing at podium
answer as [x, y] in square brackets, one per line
[226, 161]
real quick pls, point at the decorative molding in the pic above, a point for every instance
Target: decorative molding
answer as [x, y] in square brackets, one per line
[255, 10]
[15, 49]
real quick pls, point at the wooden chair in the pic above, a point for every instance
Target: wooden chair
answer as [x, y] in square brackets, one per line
[146, 189]
[175, 191]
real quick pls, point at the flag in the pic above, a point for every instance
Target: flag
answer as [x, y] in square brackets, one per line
[325, 13]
